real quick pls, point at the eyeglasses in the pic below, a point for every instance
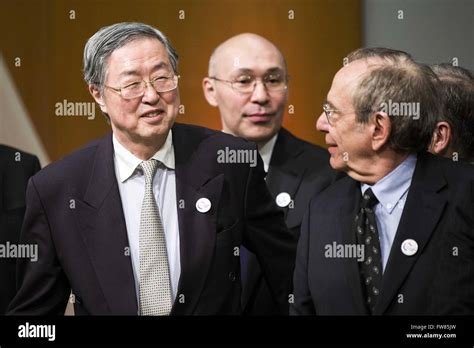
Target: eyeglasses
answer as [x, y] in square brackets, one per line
[246, 84]
[137, 89]
[328, 111]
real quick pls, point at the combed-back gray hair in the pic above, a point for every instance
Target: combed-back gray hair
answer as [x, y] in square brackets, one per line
[408, 82]
[448, 71]
[101, 45]
[456, 88]
[387, 54]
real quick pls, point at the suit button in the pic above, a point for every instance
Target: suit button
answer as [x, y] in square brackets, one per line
[232, 276]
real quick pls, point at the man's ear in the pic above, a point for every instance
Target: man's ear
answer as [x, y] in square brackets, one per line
[441, 138]
[209, 91]
[381, 127]
[98, 97]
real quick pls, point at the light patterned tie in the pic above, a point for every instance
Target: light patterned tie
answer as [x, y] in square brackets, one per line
[155, 288]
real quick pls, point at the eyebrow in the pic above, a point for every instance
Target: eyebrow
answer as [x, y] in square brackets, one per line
[277, 69]
[158, 66]
[333, 107]
[326, 101]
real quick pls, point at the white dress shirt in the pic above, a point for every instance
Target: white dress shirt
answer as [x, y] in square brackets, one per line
[131, 183]
[266, 151]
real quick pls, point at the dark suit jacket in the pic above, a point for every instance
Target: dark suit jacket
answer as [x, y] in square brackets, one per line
[300, 169]
[439, 203]
[74, 213]
[16, 167]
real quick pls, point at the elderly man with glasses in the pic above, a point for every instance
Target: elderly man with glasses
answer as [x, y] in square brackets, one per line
[248, 82]
[396, 236]
[146, 220]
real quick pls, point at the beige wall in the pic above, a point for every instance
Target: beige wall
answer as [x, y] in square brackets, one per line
[50, 46]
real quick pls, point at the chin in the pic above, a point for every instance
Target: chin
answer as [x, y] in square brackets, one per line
[338, 164]
[153, 133]
[259, 135]
[258, 139]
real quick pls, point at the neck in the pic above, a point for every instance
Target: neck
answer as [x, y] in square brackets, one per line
[377, 168]
[143, 149]
[261, 144]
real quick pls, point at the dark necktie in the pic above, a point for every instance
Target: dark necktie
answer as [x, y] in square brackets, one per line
[367, 235]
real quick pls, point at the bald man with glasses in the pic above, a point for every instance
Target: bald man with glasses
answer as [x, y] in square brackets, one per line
[248, 83]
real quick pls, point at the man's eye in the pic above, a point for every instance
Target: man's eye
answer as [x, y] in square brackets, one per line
[160, 78]
[274, 79]
[244, 80]
[132, 86]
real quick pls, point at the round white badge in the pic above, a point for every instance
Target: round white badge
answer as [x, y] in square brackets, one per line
[203, 205]
[409, 247]
[283, 199]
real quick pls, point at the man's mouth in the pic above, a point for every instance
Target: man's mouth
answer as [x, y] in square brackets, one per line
[332, 147]
[153, 115]
[260, 117]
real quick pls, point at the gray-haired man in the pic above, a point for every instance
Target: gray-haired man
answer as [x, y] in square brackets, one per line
[454, 134]
[395, 237]
[147, 220]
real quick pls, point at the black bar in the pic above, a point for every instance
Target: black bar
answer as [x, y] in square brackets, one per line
[240, 330]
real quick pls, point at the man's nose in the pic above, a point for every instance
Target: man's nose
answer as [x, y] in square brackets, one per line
[260, 93]
[322, 124]
[150, 96]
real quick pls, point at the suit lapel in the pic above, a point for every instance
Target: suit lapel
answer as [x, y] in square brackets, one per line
[348, 206]
[197, 230]
[284, 173]
[100, 215]
[421, 213]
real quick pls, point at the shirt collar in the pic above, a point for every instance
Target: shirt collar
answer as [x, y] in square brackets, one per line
[390, 189]
[266, 151]
[128, 162]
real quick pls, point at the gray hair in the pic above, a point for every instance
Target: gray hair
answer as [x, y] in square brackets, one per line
[101, 45]
[387, 54]
[409, 82]
[456, 86]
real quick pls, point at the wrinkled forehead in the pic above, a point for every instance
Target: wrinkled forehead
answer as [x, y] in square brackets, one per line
[137, 54]
[147, 45]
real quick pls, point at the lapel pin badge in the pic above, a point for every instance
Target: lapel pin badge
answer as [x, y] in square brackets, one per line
[283, 199]
[409, 247]
[203, 205]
